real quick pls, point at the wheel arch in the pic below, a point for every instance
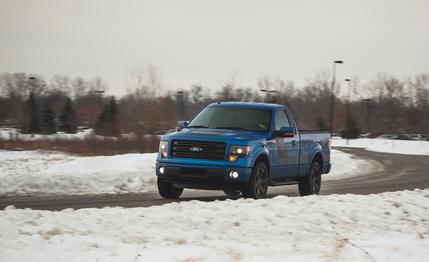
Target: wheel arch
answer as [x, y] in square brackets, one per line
[263, 157]
[318, 158]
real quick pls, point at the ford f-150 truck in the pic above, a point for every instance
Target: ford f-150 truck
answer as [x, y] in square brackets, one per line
[242, 148]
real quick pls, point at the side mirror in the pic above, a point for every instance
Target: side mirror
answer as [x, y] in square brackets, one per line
[181, 124]
[285, 132]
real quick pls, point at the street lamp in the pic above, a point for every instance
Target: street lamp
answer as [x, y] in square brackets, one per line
[32, 80]
[331, 111]
[349, 93]
[348, 80]
[181, 103]
[368, 104]
[266, 91]
[100, 98]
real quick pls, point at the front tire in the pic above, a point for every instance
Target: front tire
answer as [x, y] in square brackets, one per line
[310, 184]
[166, 190]
[258, 185]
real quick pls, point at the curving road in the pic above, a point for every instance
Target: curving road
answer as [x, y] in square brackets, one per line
[399, 172]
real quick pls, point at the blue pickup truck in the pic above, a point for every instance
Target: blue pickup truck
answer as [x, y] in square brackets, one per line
[242, 148]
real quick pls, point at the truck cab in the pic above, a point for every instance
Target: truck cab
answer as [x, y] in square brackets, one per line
[242, 149]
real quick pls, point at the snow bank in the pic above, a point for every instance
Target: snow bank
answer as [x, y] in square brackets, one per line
[15, 134]
[346, 165]
[385, 227]
[386, 145]
[37, 172]
[7, 133]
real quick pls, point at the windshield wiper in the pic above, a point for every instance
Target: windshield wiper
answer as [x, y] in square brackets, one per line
[197, 126]
[231, 127]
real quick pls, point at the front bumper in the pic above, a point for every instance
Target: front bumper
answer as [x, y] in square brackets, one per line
[203, 176]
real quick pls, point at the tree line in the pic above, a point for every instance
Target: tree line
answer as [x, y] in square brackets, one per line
[386, 104]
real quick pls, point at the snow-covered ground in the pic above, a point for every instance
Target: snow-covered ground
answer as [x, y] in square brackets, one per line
[7, 133]
[385, 227]
[386, 145]
[346, 165]
[15, 134]
[37, 172]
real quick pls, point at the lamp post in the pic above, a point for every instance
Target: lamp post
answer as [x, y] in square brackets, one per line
[266, 91]
[348, 80]
[100, 98]
[32, 80]
[349, 94]
[33, 123]
[181, 104]
[331, 111]
[368, 104]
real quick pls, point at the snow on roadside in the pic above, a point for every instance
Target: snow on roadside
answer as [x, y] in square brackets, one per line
[7, 133]
[15, 134]
[38, 172]
[346, 165]
[385, 145]
[385, 227]
[44, 173]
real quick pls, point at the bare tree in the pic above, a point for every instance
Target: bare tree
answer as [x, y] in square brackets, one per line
[61, 83]
[79, 86]
[146, 82]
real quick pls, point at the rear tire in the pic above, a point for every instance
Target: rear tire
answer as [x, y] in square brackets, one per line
[258, 184]
[310, 184]
[166, 190]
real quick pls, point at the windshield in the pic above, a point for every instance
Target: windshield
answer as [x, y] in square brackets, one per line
[233, 118]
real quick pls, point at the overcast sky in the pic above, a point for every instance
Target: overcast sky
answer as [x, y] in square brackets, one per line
[207, 42]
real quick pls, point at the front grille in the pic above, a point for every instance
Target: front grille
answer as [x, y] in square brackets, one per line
[198, 149]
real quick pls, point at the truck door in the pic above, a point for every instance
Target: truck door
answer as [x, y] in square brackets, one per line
[284, 150]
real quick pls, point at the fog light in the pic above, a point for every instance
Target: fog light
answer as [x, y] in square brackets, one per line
[233, 174]
[161, 170]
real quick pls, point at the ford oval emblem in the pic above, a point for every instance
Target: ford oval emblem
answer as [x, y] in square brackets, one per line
[196, 149]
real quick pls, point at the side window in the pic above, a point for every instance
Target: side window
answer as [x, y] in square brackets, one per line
[281, 120]
[292, 121]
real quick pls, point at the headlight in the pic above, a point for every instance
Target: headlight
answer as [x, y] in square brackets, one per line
[238, 151]
[163, 149]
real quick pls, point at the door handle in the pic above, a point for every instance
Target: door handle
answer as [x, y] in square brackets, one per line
[293, 143]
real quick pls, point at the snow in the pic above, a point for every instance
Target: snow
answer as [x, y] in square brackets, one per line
[385, 227]
[346, 165]
[408, 147]
[50, 173]
[38, 172]
[8, 133]
[15, 134]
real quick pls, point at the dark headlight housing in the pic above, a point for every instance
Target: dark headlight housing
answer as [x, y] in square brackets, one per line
[237, 151]
[163, 149]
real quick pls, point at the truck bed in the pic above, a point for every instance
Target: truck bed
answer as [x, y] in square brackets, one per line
[315, 135]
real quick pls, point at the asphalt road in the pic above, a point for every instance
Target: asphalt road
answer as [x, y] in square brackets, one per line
[399, 172]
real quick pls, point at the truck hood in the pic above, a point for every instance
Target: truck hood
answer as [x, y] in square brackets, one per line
[201, 133]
